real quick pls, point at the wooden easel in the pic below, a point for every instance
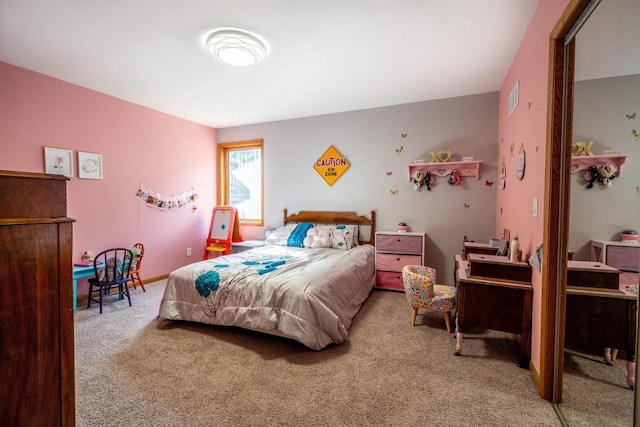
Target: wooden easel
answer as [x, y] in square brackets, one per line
[224, 229]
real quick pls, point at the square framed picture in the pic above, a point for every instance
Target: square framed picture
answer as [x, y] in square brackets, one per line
[89, 165]
[58, 161]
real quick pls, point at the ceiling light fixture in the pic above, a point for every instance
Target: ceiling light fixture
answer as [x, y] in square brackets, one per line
[236, 47]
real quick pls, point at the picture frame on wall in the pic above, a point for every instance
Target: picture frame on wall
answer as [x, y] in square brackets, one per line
[58, 161]
[89, 165]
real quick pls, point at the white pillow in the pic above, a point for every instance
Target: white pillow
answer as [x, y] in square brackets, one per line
[280, 235]
[343, 236]
[318, 238]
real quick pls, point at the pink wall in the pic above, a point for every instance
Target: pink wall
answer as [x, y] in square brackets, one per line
[168, 154]
[527, 126]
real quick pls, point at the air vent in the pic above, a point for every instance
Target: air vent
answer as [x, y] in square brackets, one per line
[513, 97]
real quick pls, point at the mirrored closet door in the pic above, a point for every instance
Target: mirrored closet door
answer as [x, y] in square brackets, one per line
[605, 111]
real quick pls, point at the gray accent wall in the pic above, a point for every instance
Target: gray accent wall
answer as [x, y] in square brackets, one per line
[372, 141]
[600, 114]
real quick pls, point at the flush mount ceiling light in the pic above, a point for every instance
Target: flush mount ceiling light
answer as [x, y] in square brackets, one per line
[236, 47]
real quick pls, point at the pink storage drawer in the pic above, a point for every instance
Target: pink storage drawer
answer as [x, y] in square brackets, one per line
[400, 244]
[624, 257]
[394, 262]
[389, 280]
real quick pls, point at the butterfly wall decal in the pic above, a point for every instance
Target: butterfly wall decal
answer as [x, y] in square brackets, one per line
[389, 173]
[467, 206]
[400, 150]
[631, 116]
[393, 192]
[404, 135]
[635, 135]
[488, 183]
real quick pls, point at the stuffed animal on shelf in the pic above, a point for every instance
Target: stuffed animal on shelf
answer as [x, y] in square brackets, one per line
[420, 178]
[427, 180]
[454, 178]
[592, 175]
[417, 179]
[603, 174]
[607, 174]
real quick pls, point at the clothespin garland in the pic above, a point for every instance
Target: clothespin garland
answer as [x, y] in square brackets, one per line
[165, 202]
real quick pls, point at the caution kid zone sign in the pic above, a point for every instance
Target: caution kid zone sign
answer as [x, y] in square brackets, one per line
[331, 165]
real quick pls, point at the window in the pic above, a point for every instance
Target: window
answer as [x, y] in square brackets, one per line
[240, 179]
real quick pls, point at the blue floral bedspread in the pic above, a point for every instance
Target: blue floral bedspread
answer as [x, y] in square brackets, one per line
[310, 295]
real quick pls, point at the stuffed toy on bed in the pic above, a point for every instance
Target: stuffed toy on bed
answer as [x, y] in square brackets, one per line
[318, 238]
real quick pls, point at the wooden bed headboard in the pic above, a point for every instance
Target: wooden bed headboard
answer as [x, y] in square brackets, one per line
[337, 217]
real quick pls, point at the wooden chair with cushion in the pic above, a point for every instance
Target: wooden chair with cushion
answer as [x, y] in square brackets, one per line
[137, 266]
[422, 292]
[112, 268]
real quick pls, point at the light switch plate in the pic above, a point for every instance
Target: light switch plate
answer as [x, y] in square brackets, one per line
[535, 207]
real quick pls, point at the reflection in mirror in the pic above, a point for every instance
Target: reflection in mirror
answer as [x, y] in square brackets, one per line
[606, 111]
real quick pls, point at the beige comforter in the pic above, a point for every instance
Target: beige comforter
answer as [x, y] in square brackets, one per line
[310, 295]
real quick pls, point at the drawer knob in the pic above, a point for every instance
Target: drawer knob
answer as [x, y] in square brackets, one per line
[397, 259]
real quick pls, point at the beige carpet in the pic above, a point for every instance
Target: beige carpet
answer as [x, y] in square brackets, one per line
[135, 370]
[595, 394]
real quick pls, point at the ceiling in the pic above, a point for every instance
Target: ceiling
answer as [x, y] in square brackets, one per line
[326, 56]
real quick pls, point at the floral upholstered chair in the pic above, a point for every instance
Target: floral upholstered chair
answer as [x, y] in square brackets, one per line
[422, 292]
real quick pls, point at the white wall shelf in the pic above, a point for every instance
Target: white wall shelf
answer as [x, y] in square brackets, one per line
[579, 163]
[468, 168]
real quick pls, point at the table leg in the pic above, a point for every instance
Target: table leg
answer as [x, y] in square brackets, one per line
[75, 295]
[525, 336]
[458, 340]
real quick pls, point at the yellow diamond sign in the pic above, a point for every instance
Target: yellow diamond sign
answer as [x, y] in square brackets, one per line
[331, 165]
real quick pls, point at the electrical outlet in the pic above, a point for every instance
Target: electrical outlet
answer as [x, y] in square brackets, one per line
[535, 207]
[188, 251]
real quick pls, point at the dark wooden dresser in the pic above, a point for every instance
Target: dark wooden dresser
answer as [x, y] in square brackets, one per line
[495, 293]
[37, 385]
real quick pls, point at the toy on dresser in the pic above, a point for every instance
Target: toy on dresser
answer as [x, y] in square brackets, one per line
[629, 236]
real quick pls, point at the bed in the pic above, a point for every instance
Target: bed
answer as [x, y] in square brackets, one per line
[309, 294]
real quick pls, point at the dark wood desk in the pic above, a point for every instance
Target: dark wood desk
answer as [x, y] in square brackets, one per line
[499, 267]
[478, 248]
[591, 274]
[599, 315]
[496, 304]
[598, 318]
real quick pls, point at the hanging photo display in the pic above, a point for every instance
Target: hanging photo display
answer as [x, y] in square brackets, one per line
[165, 202]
